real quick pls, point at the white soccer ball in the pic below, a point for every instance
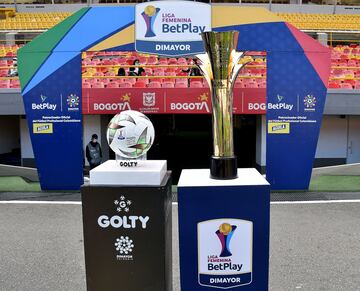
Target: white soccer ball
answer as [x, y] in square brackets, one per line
[130, 134]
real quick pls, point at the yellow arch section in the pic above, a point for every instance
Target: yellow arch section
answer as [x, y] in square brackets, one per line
[123, 37]
[233, 15]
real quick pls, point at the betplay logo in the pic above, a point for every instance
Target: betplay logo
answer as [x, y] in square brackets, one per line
[43, 105]
[280, 105]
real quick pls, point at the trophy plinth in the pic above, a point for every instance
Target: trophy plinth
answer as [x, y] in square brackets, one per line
[220, 67]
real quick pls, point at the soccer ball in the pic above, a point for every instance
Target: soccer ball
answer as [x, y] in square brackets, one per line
[130, 134]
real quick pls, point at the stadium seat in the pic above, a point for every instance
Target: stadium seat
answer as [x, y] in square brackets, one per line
[346, 86]
[125, 85]
[140, 84]
[168, 85]
[98, 85]
[113, 85]
[154, 85]
[196, 84]
[181, 85]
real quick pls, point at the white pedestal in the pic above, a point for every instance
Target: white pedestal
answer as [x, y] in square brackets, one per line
[201, 178]
[145, 173]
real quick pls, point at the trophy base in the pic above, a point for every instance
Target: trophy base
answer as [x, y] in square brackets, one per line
[223, 168]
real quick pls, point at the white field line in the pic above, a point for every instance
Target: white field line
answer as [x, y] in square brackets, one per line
[176, 203]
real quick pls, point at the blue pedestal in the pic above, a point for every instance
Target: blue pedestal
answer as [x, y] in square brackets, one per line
[224, 231]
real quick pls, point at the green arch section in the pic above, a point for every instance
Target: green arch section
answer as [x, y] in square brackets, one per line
[32, 56]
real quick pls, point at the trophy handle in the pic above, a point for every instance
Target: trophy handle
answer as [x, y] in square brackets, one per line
[205, 67]
[236, 67]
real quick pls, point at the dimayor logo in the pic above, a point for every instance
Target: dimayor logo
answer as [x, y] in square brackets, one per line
[43, 105]
[73, 102]
[225, 253]
[149, 15]
[123, 105]
[171, 27]
[309, 102]
[124, 246]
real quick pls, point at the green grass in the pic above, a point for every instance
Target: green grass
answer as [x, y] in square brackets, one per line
[329, 183]
[18, 184]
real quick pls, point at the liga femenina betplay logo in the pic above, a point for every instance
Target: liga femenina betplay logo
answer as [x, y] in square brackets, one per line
[225, 253]
[171, 28]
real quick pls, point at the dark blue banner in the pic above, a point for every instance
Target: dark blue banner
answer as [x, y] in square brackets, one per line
[295, 97]
[53, 111]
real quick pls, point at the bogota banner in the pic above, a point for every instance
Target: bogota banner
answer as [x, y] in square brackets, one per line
[173, 101]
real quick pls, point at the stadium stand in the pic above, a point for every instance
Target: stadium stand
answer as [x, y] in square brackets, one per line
[32, 20]
[325, 22]
[100, 70]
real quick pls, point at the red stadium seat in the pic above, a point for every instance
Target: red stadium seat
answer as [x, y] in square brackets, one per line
[168, 85]
[181, 85]
[113, 85]
[140, 84]
[346, 86]
[196, 84]
[154, 84]
[98, 85]
[125, 85]
[334, 85]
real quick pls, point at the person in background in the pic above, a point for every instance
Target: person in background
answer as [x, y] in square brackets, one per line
[13, 72]
[136, 71]
[121, 72]
[193, 71]
[93, 152]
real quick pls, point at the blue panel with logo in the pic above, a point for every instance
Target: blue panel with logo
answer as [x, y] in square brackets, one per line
[224, 235]
[296, 98]
[53, 111]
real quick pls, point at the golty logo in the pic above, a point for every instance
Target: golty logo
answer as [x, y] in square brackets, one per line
[224, 233]
[122, 204]
[310, 101]
[149, 14]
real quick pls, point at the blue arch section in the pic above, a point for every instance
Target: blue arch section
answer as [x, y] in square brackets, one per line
[56, 127]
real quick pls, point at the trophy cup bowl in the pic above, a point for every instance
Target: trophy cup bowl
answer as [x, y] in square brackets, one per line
[220, 67]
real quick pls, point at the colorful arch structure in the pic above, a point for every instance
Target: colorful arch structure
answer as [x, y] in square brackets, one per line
[50, 74]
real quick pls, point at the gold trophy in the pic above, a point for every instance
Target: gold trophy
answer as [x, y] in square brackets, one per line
[220, 67]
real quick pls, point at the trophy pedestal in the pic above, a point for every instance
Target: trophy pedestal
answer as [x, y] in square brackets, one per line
[127, 229]
[224, 231]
